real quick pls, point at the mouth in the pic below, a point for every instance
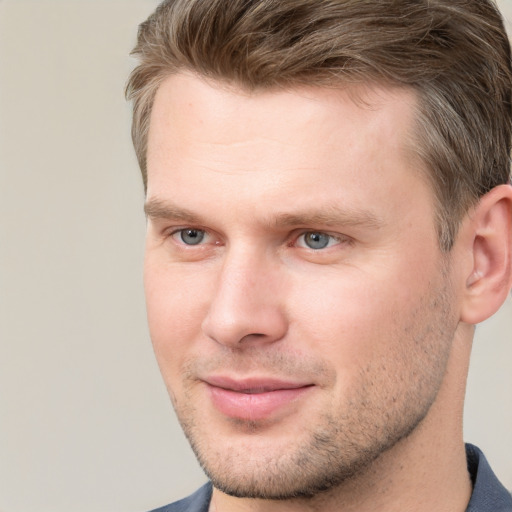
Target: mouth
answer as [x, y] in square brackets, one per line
[255, 399]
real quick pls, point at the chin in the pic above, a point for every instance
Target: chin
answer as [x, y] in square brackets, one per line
[298, 467]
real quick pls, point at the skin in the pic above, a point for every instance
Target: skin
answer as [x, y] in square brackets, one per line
[373, 326]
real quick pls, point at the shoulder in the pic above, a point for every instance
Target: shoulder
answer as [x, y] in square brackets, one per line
[197, 502]
[489, 495]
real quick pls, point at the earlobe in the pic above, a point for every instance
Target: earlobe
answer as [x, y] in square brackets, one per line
[490, 234]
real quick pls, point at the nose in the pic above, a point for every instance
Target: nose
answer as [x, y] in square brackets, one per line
[246, 308]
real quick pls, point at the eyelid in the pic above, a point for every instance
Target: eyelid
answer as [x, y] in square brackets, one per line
[174, 232]
[210, 238]
[337, 237]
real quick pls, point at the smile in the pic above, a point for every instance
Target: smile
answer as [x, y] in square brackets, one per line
[254, 399]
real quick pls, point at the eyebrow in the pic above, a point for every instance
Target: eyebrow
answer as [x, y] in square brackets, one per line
[325, 216]
[329, 216]
[157, 209]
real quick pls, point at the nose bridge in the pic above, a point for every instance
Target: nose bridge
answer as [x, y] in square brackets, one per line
[245, 307]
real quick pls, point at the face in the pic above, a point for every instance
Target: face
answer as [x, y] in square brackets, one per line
[297, 299]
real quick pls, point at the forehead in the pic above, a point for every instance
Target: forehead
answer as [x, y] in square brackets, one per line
[298, 144]
[186, 105]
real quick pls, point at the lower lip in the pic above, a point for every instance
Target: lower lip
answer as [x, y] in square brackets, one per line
[255, 406]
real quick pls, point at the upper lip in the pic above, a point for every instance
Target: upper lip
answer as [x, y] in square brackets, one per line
[253, 384]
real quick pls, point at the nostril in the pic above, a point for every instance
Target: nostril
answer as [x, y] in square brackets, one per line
[247, 337]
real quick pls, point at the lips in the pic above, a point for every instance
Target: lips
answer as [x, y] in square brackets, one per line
[254, 399]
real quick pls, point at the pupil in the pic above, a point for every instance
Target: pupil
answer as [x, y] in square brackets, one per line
[317, 240]
[192, 236]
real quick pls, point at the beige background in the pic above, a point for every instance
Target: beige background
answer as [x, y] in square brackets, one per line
[85, 423]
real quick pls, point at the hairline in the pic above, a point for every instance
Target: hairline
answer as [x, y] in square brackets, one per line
[413, 147]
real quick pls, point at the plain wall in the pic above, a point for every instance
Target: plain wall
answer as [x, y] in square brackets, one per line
[85, 422]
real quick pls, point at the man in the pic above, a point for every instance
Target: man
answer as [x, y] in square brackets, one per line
[329, 215]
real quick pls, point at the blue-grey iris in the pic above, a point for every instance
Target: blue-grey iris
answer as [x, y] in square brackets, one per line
[315, 240]
[192, 236]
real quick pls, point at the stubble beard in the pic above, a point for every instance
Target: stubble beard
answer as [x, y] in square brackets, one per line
[328, 456]
[340, 445]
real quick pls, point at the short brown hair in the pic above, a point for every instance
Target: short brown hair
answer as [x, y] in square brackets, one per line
[454, 53]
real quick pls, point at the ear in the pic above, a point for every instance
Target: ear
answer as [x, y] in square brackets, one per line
[489, 233]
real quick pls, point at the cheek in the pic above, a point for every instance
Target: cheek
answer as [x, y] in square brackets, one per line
[176, 307]
[354, 319]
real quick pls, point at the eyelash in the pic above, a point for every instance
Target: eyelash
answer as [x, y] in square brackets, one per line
[328, 238]
[179, 232]
[337, 239]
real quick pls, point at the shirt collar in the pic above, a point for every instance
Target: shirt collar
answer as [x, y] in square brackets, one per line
[489, 495]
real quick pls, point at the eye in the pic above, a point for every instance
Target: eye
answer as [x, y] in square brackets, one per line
[190, 236]
[316, 240]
